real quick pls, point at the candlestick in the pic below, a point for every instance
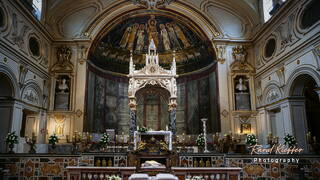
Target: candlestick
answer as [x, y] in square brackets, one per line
[204, 120]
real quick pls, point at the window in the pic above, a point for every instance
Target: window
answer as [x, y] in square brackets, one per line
[270, 5]
[1, 18]
[37, 8]
[270, 48]
[311, 14]
[267, 7]
[34, 46]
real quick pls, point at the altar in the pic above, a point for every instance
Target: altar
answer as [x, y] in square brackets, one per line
[160, 136]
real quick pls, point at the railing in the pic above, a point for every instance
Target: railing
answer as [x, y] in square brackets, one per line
[101, 173]
[98, 173]
[212, 173]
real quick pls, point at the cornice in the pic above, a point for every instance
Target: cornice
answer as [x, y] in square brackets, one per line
[276, 19]
[32, 19]
[16, 55]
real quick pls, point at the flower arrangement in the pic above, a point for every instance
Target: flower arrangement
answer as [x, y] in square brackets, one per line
[290, 140]
[114, 177]
[53, 139]
[104, 139]
[251, 139]
[200, 140]
[12, 138]
[142, 129]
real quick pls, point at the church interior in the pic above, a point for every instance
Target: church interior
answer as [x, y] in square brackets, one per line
[159, 89]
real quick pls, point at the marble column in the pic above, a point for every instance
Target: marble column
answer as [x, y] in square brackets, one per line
[41, 139]
[133, 117]
[133, 122]
[173, 119]
[173, 115]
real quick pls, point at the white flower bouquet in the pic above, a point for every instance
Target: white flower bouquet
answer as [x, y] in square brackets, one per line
[251, 139]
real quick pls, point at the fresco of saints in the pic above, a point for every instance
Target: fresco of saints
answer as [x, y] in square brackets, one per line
[181, 36]
[125, 37]
[165, 37]
[152, 31]
[173, 37]
[140, 40]
[132, 36]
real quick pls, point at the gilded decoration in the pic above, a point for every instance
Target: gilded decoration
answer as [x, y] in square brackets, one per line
[254, 170]
[50, 169]
[192, 49]
[29, 169]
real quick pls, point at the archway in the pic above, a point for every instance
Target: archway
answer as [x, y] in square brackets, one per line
[152, 108]
[305, 86]
[6, 107]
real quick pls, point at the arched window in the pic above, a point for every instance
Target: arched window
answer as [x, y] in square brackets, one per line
[37, 8]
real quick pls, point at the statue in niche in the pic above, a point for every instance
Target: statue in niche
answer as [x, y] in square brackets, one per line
[62, 93]
[125, 37]
[140, 40]
[165, 37]
[242, 94]
[173, 37]
[181, 35]
[152, 30]
[132, 36]
[241, 86]
[59, 127]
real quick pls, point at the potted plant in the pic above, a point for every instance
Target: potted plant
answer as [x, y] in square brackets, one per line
[53, 140]
[104, 141]
[290, 141]
[11, 139]
[200, 141]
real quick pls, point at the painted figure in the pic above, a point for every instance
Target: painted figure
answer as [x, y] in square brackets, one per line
[152, 30]
[125, 37]
[173, 37]
[132, 36]
[140, 40]
[165, 37]
[181, 35]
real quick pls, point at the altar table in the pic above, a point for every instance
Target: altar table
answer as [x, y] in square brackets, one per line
[166, 134]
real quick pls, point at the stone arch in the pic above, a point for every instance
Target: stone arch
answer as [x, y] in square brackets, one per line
[291, 82]
[272, 93]
[13, 80]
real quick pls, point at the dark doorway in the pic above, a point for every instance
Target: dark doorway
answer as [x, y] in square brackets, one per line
[6, 108]
[312, 108]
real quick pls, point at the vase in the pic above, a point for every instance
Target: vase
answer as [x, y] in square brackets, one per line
[11, 146]
[53, 148]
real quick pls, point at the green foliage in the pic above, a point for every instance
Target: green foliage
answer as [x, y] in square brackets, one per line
[251, 139]
[12, 138]
[290, 140]
[53, 139]
[104, 139]
[200, 140]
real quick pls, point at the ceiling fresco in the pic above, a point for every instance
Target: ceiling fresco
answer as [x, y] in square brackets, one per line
[192, 50]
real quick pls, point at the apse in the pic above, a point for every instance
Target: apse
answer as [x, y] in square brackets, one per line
[107, 85]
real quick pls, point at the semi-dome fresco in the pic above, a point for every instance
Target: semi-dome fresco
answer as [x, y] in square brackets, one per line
[193, 51]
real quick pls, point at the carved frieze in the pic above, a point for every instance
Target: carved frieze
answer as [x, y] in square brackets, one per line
[152, 4]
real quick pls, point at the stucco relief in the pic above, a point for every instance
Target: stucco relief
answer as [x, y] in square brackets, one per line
[272, 94]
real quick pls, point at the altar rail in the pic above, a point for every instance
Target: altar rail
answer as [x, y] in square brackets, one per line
[53, 166]
[98, 173]
[222, 173]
